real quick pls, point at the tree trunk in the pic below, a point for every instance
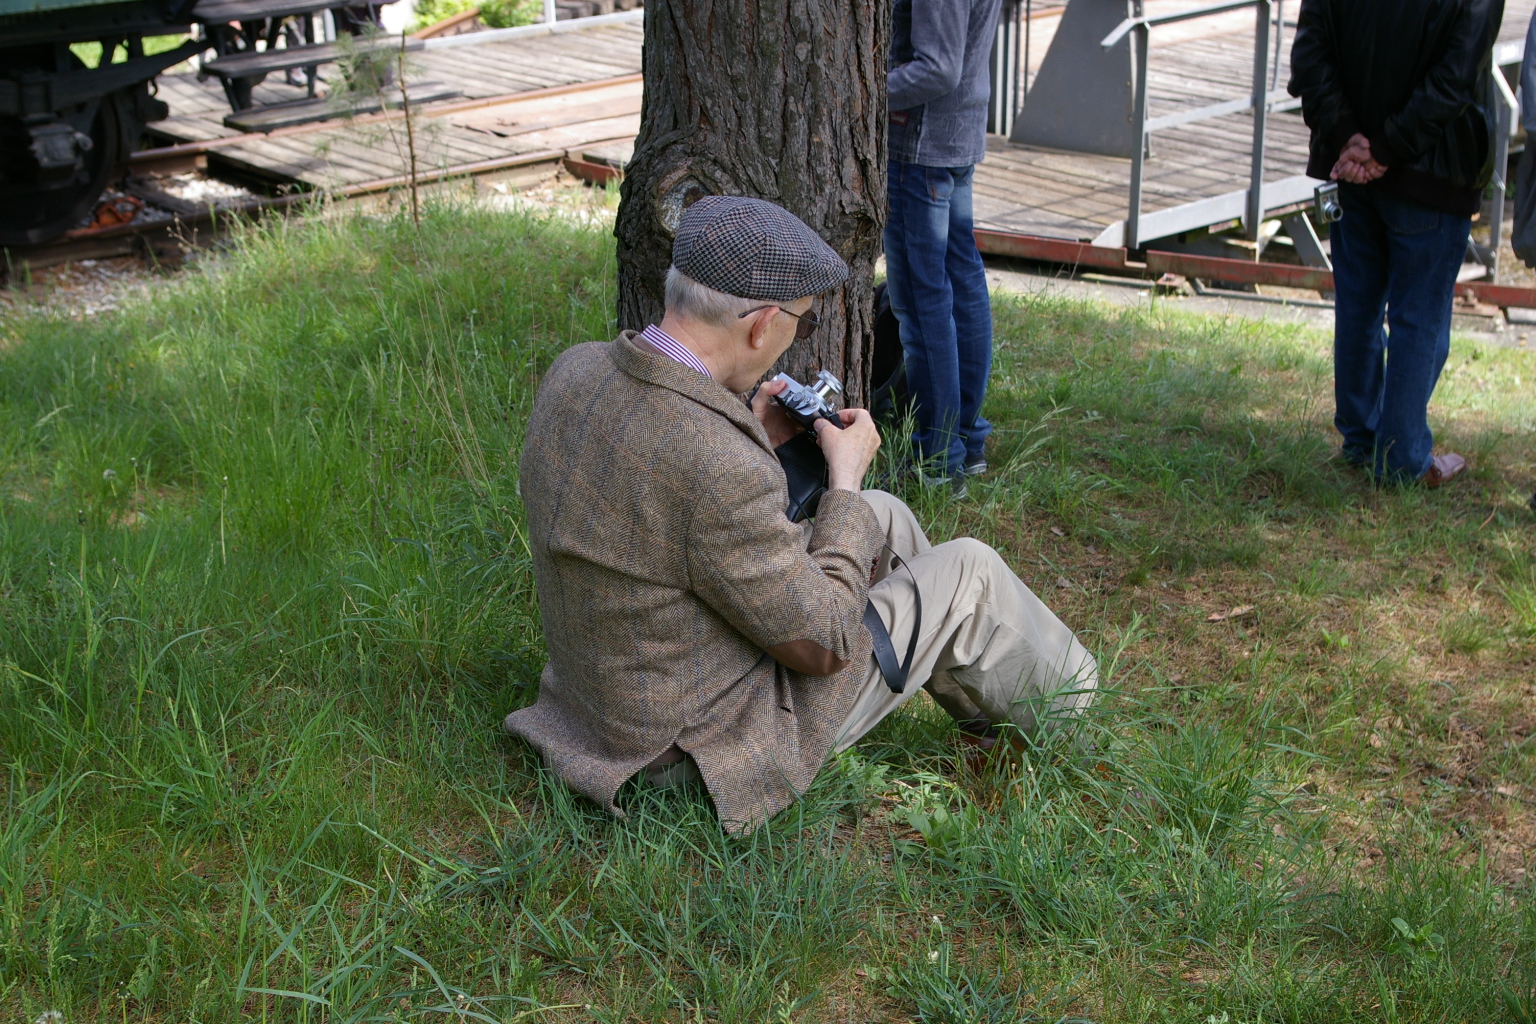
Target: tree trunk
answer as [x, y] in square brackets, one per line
[782, 100]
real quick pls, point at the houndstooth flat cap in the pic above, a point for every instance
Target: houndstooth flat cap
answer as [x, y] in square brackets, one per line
[754, 250]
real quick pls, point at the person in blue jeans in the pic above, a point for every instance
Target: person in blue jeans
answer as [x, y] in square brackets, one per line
[1394, 92]
[938, 88]
[1394, 256]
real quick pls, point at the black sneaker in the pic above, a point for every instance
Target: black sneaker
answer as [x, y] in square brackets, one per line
[1353, 460]
[956, 484]
[976, 467]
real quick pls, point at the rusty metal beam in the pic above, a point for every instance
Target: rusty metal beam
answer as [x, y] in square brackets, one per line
[590, 171]
[1218, 268]
[1211, 268]
[1050, 250]
[1501, 295]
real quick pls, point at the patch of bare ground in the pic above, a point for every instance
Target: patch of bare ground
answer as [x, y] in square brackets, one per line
[127, 506]
[82, 289]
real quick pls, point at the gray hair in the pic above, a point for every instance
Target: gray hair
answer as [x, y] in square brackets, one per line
[688, 298]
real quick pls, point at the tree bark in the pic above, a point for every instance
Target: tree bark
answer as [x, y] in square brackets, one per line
[782, 100]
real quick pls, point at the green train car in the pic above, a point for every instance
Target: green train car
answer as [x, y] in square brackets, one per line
[66, 128]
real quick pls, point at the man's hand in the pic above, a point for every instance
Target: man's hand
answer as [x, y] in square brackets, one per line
[772, 415]
[849, 451]
[1355, 164]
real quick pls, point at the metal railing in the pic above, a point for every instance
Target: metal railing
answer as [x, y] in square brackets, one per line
[1263, 98]
[1011, 59]
[1008, 49]
[1507, 115]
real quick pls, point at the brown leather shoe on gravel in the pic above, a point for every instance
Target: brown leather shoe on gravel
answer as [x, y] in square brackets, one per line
[1443, 469]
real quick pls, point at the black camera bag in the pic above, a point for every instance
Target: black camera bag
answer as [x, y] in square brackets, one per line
[805, 473]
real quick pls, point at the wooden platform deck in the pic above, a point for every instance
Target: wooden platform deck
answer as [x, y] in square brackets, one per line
[450, 134]
[1075, 196]
[1018, 188]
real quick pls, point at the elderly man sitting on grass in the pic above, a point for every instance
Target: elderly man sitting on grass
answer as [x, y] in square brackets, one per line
[694, 632]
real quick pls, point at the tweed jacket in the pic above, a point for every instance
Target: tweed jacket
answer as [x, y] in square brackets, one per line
[665, 568]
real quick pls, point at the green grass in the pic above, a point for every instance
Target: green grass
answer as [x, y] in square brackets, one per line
[264, 600]
[493, 13]
[90, 53]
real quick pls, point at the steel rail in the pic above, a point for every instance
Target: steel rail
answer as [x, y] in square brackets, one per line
[138, 235]
[539, 156]
[125, 239]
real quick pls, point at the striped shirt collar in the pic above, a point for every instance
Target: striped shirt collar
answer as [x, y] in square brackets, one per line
[673, 349]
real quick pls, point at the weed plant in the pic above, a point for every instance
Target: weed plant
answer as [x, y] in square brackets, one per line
[265, 599]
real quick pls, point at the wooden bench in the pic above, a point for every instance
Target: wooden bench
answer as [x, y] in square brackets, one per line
[242, 65]
[238, 28]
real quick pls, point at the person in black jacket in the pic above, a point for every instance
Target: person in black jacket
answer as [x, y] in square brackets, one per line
[1397, 94]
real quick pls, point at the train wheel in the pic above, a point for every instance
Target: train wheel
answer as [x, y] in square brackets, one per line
[30, 214]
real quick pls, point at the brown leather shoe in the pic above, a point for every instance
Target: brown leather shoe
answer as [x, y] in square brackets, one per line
[1443, 469]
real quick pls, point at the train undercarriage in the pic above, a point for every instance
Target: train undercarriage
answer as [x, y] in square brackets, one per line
[66, 128]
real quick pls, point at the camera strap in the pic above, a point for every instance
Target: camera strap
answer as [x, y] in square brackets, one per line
[895, 675]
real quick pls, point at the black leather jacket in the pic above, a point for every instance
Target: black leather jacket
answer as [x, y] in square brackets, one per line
[1413, 77]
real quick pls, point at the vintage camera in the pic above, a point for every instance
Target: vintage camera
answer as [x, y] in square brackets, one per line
[806, 405]
[805, 468]
[1325, 200]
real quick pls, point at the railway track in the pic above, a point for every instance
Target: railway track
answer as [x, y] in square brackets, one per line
[163, 239]
[175, 226]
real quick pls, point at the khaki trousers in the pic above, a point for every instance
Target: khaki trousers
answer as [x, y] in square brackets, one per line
[989, 651]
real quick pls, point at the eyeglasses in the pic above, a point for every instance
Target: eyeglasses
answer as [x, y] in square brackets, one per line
[809, 321]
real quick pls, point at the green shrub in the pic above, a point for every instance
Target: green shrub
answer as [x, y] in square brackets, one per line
[493, 13]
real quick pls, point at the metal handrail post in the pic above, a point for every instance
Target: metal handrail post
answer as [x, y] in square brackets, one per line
[1508, 109]
[1029, 17]
[1274, 74]
[1016, 101]
[1141, 40]
[1500, 186]
[1255, 215]
[1005, 102]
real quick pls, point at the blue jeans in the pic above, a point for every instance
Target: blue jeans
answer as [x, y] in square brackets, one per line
[1399, 258]
[938, 290]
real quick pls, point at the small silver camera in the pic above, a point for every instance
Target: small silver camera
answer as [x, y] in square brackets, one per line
[807, 404]
[1325, 200]
[805, 468]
